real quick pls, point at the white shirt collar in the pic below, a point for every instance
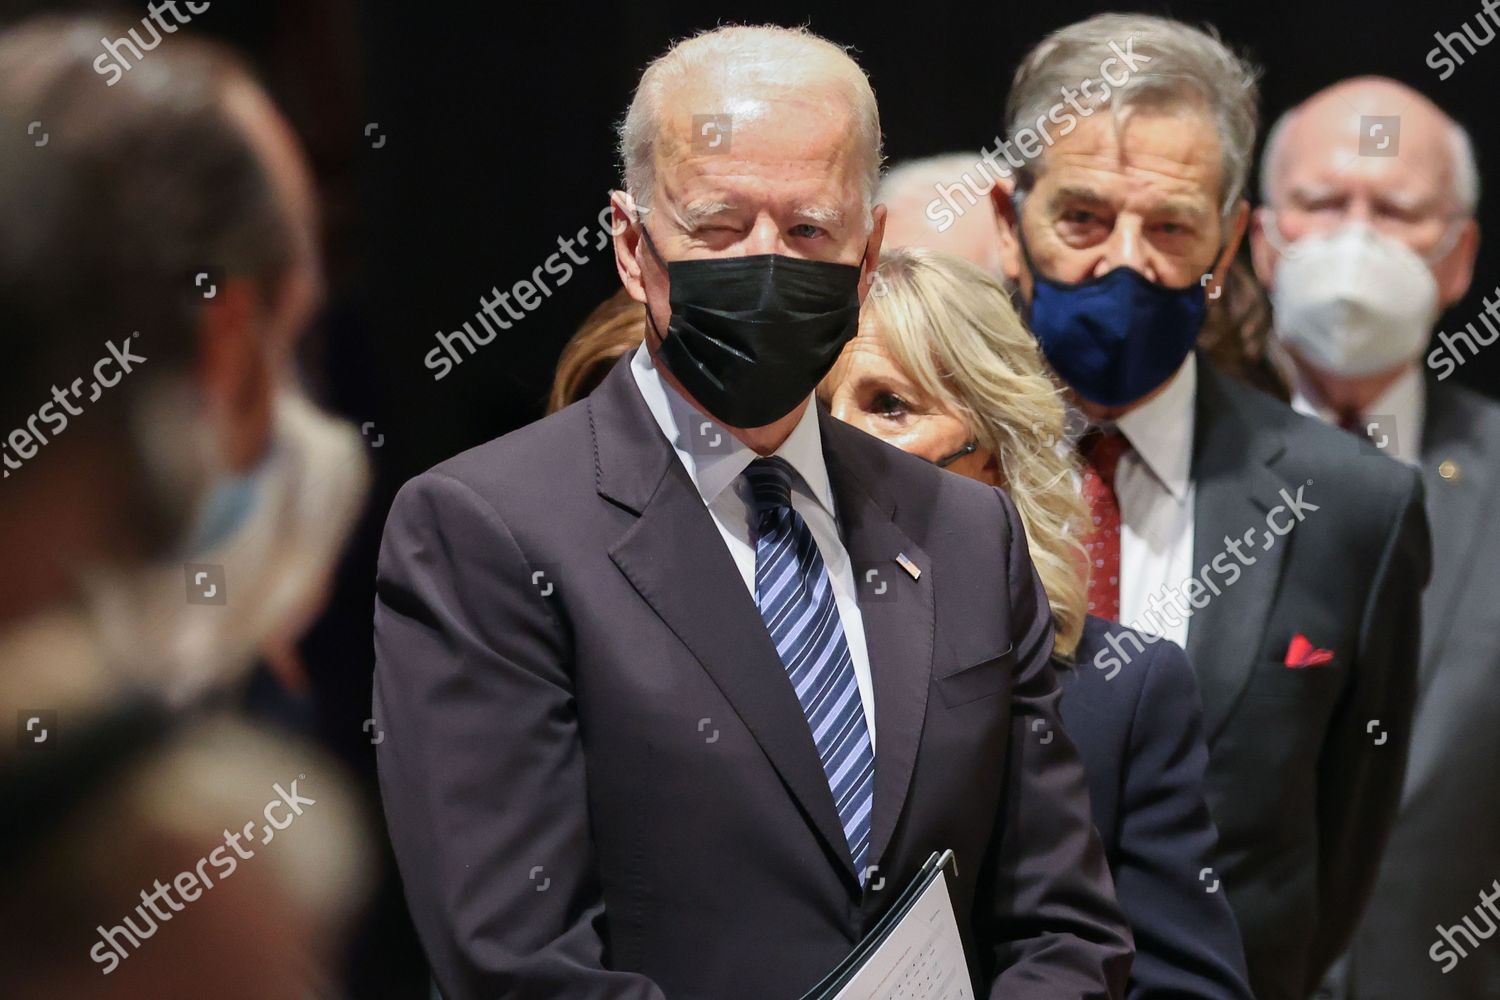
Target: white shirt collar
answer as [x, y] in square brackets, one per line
[1161, 430]
[1397, 413]
[715, 458]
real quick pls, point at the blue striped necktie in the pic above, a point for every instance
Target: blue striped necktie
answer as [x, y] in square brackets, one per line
[796, 600]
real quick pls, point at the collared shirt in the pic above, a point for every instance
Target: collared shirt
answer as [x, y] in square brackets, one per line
[1393, 421]
[715, 459]
[1154, 487]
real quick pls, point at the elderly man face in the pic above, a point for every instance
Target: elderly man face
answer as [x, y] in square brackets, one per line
[789, 182]
[1328, 167]
[1142, 191]
[769, 152]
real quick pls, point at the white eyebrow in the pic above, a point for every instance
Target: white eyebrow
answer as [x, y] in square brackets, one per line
[820, 214]
[695, 212]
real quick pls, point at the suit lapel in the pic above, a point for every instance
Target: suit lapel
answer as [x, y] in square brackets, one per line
[1455, 509]
[1234, 488]
[675, 558]
[898, 621]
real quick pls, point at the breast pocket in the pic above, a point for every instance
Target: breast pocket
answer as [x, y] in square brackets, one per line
[1274, 679]
[973, 681]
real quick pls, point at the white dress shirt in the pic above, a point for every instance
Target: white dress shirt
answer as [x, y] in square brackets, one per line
[1394, 420]
[1154, 488]
[715, 459]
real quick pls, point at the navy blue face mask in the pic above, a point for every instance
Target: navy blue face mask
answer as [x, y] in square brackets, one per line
[1117, 337]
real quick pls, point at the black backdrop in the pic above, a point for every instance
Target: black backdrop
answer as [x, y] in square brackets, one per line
[497, 126]
[501, 141]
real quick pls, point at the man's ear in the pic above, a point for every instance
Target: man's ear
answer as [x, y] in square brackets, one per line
[1263, 250]
[627, 241]
[871, 258]
[234, 372]
[1007, 219]
[1215, 287]
[1456, 270]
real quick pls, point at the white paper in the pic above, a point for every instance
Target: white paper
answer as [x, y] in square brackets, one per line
[921, 959]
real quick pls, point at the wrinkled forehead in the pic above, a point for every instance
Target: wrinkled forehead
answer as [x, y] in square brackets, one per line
[1168, 152]
[1387, 145]
[758, 142]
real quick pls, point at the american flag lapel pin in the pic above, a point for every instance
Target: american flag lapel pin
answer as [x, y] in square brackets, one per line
[911, 568]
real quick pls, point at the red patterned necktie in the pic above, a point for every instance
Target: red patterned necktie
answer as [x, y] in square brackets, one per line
[1101, 451]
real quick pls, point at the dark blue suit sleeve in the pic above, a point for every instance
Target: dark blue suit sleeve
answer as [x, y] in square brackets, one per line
[1187, 942]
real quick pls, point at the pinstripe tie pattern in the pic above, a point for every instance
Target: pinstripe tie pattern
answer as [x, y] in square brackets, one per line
[796, 601]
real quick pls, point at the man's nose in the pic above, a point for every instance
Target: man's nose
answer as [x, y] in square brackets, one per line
[1358, 210]
[1125, 247]
[765, 237]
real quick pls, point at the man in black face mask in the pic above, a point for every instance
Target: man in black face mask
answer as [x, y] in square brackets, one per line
[683, 684]
[1287, 557]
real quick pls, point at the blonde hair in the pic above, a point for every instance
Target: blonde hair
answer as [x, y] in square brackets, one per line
[953, 330]
[615, 327]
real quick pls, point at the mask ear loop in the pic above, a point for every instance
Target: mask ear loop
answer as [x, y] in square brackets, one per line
[948, 460]
[651, 246]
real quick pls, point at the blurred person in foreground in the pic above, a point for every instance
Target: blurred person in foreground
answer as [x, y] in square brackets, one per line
[1362, 253]
[585, 628]
[153, 427]
[943, 368]
[1287, 557]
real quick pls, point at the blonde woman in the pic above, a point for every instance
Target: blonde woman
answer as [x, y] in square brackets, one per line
[943, 368]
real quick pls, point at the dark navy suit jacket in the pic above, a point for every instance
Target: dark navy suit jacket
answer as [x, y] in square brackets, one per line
[1133, 709]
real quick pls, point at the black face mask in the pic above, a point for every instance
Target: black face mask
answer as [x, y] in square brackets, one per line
[751, 337]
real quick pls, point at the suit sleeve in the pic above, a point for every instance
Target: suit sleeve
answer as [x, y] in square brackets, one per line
[481, 768]
[1359, 781]
[1187, 941]
[1060, 933]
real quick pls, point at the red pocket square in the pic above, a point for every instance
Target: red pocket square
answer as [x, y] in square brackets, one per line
[1302, 653]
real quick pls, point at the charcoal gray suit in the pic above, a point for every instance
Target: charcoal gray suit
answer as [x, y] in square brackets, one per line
[1305, 764]
[1445, 846]
[600, 783]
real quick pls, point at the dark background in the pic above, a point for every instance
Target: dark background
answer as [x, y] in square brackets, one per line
[498, 125]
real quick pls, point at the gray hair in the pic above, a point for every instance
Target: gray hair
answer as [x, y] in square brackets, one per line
[755, 56]
[1465, 187]
[1181, 67]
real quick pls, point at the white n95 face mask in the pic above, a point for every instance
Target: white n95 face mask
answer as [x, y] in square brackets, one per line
[1354, 302]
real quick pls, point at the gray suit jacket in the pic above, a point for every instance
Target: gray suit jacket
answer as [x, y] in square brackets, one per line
[598, 779]
[1305, 765]
[1445, 847]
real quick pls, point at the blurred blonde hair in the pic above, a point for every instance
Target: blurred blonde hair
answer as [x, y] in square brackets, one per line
[615, 327]
[952, 328]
